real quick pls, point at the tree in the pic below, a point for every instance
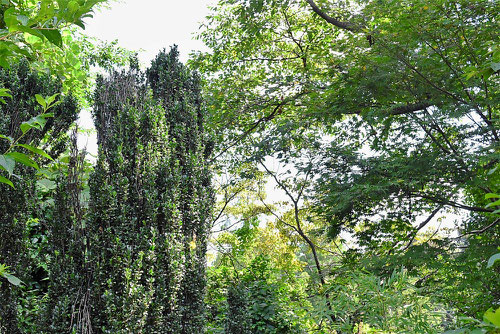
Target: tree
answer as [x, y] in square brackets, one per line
[401, 101]
[150, 202]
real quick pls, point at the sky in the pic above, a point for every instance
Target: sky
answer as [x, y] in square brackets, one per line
[147, 25]
[151, 25]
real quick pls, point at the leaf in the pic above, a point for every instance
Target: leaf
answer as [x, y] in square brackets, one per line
[7, 137]
[13, 279]
[73, 6]
[23, 159]
[495, 66]
[493, 204]
[5, 92]
[46, 184]
[51, 99]
[37, 122]
[6, 181]
[54, 36]
[7, 163]
[10, 18]
[493, 317]
[36, 150]
[493, 259]
[41, 101]
[478, 331]
[49, 114]
[34, 32]
[491, 195]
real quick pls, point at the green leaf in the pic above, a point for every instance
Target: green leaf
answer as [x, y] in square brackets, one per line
[34, 32]
[5, 92]
[493, 259]
[493, 204]
[37, 122]
[46, 184]
[495, 66]
[493, 316]
[36, 150]
[23, 159]
[54, 36]
[49, 114]
[7, 137]
[6, 181]
[13, 279]
[73, 6]
[51, 99]
[7, 163]
[10, 18]
[41, 101]
[491, 195]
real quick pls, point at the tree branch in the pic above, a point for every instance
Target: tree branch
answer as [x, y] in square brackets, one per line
[343, 25]
[422, 225]
[454, 204]
[403, 109]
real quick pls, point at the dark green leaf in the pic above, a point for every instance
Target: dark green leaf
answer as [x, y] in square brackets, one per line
[23, 159]
[36, 150]
[6, 181]
[53, 35]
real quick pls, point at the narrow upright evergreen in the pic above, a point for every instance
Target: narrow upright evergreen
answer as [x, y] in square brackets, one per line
[150, 202]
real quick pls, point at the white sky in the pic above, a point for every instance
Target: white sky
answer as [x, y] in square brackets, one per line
[147, 25]
[151, 25]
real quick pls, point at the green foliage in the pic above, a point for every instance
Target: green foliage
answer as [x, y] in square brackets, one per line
[251, 292]
[491, 318]
[4, 272]
[27, 26]
[26, 142]
[150, 203]
[391, 108]
[384, 305]
[10, 157]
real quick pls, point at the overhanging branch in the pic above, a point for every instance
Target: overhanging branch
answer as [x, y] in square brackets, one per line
[402, 109]
[340, 24]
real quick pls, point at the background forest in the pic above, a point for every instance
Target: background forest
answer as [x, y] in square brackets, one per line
[325, 167]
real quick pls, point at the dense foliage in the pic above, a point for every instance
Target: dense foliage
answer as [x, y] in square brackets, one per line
[378, 123]
[19, 204]
[353, 147]
[150, 202]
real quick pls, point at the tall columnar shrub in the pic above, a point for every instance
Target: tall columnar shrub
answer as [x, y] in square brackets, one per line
[67, 307]
[150, 202]
[17, 205]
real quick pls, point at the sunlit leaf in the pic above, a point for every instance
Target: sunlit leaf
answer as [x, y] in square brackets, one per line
[36, 150]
